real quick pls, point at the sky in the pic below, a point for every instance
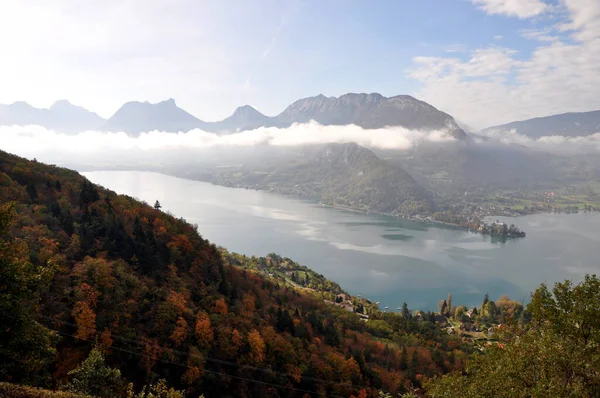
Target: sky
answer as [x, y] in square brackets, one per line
[485, 62]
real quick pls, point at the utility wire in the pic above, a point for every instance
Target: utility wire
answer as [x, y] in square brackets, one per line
[217, 360]
[205, 370]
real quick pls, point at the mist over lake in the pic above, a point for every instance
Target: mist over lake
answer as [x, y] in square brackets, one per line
[386, 259]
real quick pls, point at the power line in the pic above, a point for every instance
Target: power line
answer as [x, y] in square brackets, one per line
[204, 370]
[217, 360]
[210, 359]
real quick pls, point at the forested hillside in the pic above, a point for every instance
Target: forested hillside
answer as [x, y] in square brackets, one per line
[337, 174]
[84, 267]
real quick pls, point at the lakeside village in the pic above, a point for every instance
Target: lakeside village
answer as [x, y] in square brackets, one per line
[477, 325]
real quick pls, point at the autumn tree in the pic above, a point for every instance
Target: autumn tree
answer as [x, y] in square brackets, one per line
[203, 329]
[257, 347]
[236, 339]
[221, 307]
[85, 319]
[180, 332]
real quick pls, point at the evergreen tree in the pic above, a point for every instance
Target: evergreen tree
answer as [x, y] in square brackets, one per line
[403, 359]
[94, 378]
[32, 191]
[26, 346]
[405, 311]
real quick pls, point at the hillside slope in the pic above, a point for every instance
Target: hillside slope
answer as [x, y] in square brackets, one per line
[336, 174]
[164, 302]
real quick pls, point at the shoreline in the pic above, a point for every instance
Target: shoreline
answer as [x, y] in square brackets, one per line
[423, 220]
[358, 210]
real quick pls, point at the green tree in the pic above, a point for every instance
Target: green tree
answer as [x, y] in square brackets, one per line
[94, 378]
[444, 307]
[403, 359]
[158, 390]
[26, 346]
[405, 311]
[556, 355]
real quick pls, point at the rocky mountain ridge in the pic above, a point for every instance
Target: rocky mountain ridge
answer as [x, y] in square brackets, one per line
[370, 111]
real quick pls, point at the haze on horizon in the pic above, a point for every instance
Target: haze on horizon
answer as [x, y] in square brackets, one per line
[96, 148]
[485, 62]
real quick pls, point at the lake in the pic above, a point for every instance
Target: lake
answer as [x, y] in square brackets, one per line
[383, 258]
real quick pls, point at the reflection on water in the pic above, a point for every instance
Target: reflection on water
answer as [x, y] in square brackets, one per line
[387, 259]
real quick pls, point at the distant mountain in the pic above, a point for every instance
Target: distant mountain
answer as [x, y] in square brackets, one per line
[137, 117]
[338, 174]
[566, 124]
[455, 167]
[370, 111]
[244, 118]
[62, 117]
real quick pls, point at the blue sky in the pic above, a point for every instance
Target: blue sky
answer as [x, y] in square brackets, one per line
[483, 61]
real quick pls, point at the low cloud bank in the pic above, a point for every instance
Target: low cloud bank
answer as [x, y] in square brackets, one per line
[93, 147]
[551, 143]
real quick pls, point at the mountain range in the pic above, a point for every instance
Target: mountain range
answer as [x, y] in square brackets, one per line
[61, 116]
[575, 124]
[370, 111]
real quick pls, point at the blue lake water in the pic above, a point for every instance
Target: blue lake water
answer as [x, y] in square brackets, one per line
[383, 258]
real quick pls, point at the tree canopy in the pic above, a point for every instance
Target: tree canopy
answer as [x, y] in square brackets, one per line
[556, 355]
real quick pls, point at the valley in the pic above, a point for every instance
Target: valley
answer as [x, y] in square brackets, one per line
[387, 259]
[300, 199]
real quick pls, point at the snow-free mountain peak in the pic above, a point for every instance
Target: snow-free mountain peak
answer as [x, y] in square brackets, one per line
[61, 117]
[136, 117]
[574, 124]
[370, 111]
[367, 110]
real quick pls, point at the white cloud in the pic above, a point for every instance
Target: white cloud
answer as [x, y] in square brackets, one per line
[584, 19]
[550, 143]
[498, 37]
[94, 147]
[513, 8]
[456, 48]
[496, 85]
[543, 35]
